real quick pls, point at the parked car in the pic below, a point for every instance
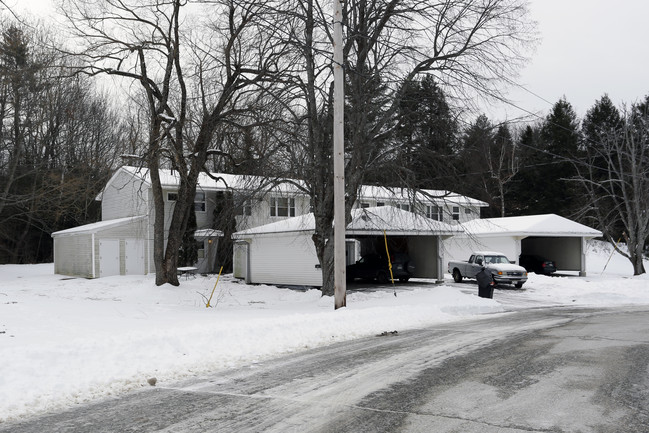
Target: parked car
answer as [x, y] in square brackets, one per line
[537, 264]
[375, 267]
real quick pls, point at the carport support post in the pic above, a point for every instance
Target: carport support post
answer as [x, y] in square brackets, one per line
[339, 163]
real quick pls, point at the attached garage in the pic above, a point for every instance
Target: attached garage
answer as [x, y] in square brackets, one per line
[283, 252]
[105, 248]
[551, 236]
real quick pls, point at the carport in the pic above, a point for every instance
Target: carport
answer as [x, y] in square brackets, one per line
[283, 252]
[551, 236]
[405, 232]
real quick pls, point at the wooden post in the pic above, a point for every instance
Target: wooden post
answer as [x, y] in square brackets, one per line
[339, 162]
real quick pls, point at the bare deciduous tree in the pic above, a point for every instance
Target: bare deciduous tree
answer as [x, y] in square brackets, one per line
[615, 178]
[195, 74]
[470, 47]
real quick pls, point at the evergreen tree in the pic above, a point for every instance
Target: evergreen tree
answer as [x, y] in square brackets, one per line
[424, 138]
[545, 181]
[477, 144]
[600, 120]
[561, 137]
[521, 195]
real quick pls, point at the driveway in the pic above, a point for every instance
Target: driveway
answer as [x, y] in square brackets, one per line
[534, 370]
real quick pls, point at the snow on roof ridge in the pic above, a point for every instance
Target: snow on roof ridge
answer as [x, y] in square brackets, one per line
[370, 219]
[90, 227]
[529, 224]
[241, 181]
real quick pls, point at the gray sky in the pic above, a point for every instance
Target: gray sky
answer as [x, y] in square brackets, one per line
[587, 48]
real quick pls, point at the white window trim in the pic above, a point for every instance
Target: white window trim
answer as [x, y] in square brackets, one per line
[274, 207]
[434, 212]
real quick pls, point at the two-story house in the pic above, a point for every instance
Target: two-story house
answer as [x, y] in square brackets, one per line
[122, 242]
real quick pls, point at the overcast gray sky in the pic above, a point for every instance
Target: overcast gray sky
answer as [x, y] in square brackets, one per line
[587, 48]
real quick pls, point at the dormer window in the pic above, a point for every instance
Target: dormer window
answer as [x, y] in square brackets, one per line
[456, 213]
[282, 207]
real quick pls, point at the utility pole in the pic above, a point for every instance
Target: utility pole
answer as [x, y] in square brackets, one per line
[340, 289]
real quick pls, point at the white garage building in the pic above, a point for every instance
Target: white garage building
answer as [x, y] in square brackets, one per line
[101, 249]
[550, 236]
[283, 252]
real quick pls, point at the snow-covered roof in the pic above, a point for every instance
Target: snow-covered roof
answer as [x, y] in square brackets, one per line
[223, 181]
[98, 226]
[366, 221]
[426, 195]
[170, 179]
[207, 233]
[374, 220]
[532, 225]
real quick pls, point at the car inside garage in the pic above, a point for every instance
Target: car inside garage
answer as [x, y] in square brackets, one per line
[268, 247]
[566, 252]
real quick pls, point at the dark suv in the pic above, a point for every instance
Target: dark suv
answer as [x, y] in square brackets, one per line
[375, 267]
[537, 264]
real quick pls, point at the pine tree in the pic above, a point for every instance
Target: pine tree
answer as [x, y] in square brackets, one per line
[477, 144]
[427, 134]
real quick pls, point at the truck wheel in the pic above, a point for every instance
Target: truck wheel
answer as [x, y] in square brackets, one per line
[457, 276]
[518, 285]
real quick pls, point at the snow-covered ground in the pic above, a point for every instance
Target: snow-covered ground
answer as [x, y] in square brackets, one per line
[64, 341]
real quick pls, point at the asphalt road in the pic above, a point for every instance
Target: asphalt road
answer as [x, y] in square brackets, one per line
[533, 370]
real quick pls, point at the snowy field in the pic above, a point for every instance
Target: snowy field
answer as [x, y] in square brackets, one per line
[66, 341]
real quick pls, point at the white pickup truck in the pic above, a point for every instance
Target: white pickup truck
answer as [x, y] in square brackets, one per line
[502, 270]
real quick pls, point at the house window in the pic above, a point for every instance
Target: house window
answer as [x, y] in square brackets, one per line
[199, 202]
[403, 206]
[456, 213]
[434, 212]
[364, 205]
[172, 196]
[200, 250]
[379, 204]
[282, 207]
[245, 208]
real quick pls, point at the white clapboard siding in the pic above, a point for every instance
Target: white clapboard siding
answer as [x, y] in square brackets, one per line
[285, 259]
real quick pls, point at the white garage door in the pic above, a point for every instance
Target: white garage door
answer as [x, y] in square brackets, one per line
[108, 257]
[134, 251]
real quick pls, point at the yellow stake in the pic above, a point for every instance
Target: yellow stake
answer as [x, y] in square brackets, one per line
[388, 253]
[217, 282]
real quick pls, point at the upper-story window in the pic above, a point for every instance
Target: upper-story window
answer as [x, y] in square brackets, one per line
[434, 212]
[200, 205]
[456, 213]
[403, 206]
[244, 208]
[282, 207]
[172, 196]
[379, 204]
[364, 205]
